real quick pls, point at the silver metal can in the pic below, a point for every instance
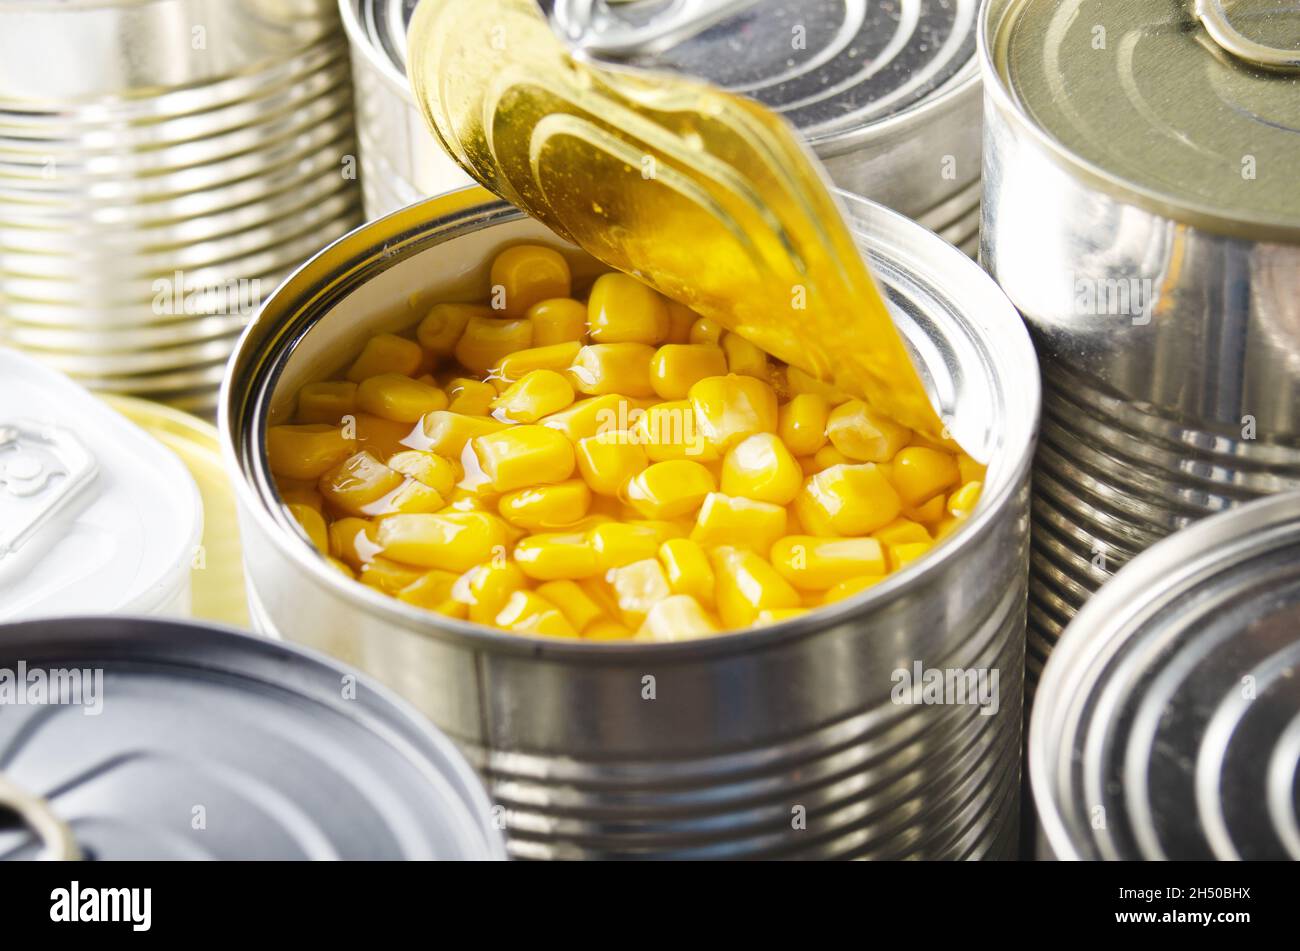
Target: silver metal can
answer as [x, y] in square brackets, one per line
[133, 738]
[1147, 226]
[784, 741]
[887, 95]
[164, 164]
[1168, 718]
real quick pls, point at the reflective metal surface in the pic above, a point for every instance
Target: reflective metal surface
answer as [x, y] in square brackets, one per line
[1168, 718]
[1169, 350]
[168, 732]
[776, 742]
[152, 151]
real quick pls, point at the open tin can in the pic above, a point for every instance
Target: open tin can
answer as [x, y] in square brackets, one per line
[1141, 211]
[786, 741]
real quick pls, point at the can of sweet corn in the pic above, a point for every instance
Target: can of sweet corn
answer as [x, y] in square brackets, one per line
[814, 737]
[143, 738]
[887, 95]
[1167, 725]
[1141, 211]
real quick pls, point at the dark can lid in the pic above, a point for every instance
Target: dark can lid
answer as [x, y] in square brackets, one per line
[175, 740]
[1167, 721]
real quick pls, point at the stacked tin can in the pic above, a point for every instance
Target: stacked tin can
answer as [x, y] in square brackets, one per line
[886, 95]
[1141, 211]
[163, 164]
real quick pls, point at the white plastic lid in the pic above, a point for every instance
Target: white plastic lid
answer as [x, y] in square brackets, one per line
[96, 516]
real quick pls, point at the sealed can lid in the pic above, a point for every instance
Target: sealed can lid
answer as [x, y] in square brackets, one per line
[1167, 721]
[1189, 108]
[177, 740]
[95, 516]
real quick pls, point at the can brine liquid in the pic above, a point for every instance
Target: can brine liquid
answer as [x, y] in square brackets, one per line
[708, 197]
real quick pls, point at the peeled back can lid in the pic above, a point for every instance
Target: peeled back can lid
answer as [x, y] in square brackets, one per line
[1189, 108]
[96, 516]
[126, 738]
[1167, 724]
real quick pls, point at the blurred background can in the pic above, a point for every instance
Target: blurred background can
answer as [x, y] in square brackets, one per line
[163, 165]
[1141, 211]
[1168, 719]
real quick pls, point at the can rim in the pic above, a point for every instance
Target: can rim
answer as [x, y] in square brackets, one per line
[401, 227]
[1106, 621]
[1190, 213]
[363, 45]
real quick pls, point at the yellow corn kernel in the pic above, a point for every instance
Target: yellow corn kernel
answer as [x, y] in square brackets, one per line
[411, 496]
[300, 492]
[962, 502]
[969, 469]
[607, 629]
[556, 556]
[313, 526]
[601, 368]
[608, 460]
[801, 423]
[760, 467]
[574, 603]
[341, 568]
[447, 433]
[326, 402]
[669, 430]
[847, 589]
[828, 456]
[864, 435]
[777, 615]
[307, 451]
[529, 613]
[928, 513]
[354, 541]
[399, 398]
[356, 483]
[526, 274]
[469, 396]
[556, 356]
[623, 310]
[920, 474]
[380, 437]
[847, 500]
[386, 353]
[900, 556]
[538, 393]
[800, 382]
[735, 520]
[811, 563]
[442, 328]
[452, 541]
[747, 584]
[485, 589]
[638, 587]
[669, 489]
[425, 467]
[487, 340]
[558, 320]
[389, 576]
[946, 526]
[680, 319]
[943, 444]
[676, 367]
[590, 416]
[730, 408]
[744, 357]
[620, 543]
[542, 507]
[678, 617]
[705, 330]
[517, 456]
[901, 531]
[687, 568]
[432, 591]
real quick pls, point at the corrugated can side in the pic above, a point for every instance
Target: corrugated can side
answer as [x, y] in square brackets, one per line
[1170, 384]
[782, 742]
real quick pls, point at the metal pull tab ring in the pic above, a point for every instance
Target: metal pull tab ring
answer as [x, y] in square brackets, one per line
[36, 814]
[42, 469]
[1217, 23]
[607, 28]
